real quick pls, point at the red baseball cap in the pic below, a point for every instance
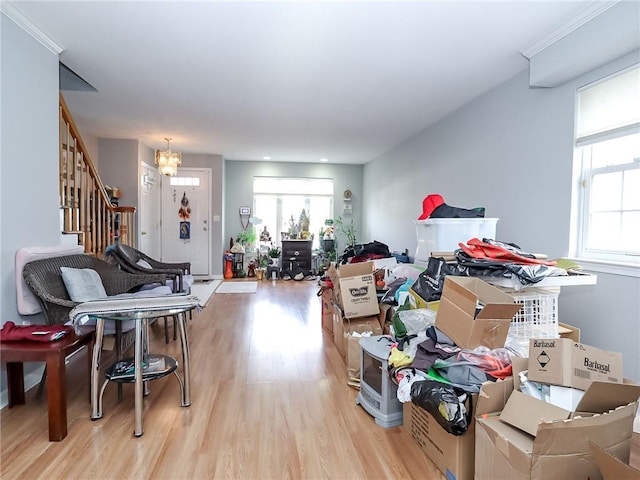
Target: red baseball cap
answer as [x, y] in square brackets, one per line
[429, 204]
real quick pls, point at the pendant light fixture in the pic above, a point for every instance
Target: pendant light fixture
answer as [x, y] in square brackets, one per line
[168, 161]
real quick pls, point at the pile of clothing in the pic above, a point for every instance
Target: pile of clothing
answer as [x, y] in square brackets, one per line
[432, 372]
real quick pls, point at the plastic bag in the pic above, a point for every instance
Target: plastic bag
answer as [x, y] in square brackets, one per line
[417, 320]
[450, 406]
[430, 282]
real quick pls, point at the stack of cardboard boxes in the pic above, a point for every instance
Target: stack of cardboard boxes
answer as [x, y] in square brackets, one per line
[589, 402]
[351, 305]
[514, 435]
[461, 319]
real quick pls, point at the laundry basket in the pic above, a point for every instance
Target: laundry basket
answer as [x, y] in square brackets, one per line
[538, 317]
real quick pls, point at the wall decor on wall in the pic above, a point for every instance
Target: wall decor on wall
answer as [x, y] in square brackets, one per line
[245, 214]
[185, 213]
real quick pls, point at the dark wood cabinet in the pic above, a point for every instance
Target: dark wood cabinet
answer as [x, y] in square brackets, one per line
[296, 253]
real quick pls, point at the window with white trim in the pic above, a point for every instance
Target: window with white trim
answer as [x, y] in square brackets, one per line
[606, 202]
[278, 200]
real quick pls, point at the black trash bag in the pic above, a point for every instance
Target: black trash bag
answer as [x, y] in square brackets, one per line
[430, 282]
[364, 252]
[449, 405]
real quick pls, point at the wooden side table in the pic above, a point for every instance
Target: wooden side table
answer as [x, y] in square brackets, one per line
[53, 354]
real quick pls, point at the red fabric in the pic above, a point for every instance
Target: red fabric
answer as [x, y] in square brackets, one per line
[11, 332]
[429, 204]
[476, 248]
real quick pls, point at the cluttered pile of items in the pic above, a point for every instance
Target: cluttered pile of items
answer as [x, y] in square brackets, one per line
[464, 348]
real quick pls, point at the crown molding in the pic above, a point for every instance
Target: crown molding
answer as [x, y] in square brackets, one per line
[14, 14]
[585, 15]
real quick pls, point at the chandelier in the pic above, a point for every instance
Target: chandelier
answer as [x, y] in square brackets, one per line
[168, 161]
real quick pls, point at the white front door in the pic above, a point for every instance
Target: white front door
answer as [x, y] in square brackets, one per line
[186, 232]
[149, 240]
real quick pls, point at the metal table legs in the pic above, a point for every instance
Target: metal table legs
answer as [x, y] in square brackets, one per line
[140, 387]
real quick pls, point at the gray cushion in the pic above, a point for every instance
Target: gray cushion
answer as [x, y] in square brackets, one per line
[83, 284]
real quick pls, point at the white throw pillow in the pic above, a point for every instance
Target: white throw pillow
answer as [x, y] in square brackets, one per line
[144, 264]
[83, 284]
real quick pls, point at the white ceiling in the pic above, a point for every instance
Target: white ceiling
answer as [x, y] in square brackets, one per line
[296, 81]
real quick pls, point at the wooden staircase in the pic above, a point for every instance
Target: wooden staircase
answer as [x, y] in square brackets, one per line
[86, 204]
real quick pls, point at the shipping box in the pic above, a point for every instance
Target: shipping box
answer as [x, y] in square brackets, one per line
[355, 289]
[611, 467]
[474, 313]
[343, 326]
[532, 439]
[562, 361]
[453, 455]
[568, 331]
[416, 301]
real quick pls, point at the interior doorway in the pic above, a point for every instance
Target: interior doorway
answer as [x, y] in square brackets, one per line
[149, 237]
[186, 222]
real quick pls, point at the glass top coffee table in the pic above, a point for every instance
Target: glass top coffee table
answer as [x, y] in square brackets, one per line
[143, 366]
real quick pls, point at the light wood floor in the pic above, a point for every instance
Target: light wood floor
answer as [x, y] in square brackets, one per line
[269, 400]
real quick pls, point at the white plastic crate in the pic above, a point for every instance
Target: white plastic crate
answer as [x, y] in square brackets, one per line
[444, 234]
[538, 317]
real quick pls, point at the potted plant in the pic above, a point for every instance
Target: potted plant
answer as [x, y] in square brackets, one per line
[246, 238]
[262, 262]
[274, 255]
[347, 229]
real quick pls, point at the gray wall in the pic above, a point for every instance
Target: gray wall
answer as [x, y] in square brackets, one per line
[119, 167]
[216, 164]
[239, 189]
[29, 166]
[511, 151]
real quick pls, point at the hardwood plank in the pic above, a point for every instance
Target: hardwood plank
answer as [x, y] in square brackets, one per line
[269, 400]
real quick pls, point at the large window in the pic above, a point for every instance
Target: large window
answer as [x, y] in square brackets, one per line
[606, 206]
[279, 201]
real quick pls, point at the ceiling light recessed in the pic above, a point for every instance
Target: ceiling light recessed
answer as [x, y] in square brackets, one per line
[266, 158]
[324, 160]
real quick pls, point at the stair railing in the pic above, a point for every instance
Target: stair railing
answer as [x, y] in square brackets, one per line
[87, 208]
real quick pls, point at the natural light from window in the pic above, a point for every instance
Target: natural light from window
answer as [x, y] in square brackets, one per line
[279, 201]
[185, 181]
[606, 200]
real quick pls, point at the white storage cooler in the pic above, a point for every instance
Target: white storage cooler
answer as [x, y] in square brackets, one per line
[444, 234]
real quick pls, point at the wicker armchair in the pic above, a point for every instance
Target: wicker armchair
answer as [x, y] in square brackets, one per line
[128, 257]
[44, 279]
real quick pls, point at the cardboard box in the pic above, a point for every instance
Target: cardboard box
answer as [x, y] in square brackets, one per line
[468, 328]
[355, 289]
[342, 327]
[612, 468]
[453, 455]
[416, 301]
[535, 440]
[326, 297]
[569, 331]
[563, 362]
